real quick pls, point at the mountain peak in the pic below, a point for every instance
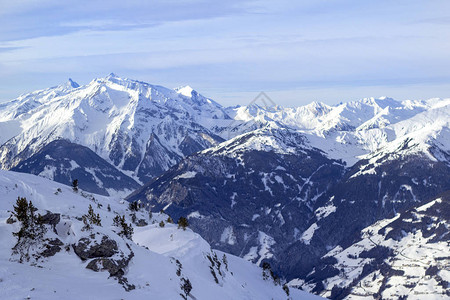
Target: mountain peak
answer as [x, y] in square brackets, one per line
[72, 84]
[185, 91]
[112, 75]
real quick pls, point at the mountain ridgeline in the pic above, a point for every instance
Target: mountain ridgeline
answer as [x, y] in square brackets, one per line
[298, 188]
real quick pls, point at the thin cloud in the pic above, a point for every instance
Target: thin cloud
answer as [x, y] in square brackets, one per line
[232, 45]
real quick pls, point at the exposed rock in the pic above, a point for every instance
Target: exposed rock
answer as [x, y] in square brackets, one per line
[52, 246]
[102, 264]
[115, 268]
[51, 218]
[89, 248]
[141, 223]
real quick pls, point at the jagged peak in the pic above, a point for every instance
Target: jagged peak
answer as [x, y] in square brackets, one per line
[112, 75]
[72, 84]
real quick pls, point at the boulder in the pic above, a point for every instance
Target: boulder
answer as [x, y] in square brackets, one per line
[95, 246]
[52, 246]
[51, 218]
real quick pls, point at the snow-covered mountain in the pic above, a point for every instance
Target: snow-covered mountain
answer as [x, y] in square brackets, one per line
[269, 184]
[350, 130]
[251, 196]
[268, 195]
[139, 128]
[71, 263]
[402, 257]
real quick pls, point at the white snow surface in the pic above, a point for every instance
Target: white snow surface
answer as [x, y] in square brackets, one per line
[152, 269]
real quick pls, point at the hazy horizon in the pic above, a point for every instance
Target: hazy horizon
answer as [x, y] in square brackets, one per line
[295, 51]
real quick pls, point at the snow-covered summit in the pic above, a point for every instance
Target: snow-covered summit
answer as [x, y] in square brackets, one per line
[185, 90]
[140, 128]
[349, 130]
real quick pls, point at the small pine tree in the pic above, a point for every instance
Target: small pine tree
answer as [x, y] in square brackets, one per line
[169, 220]
[75, 185]
[116, 220]
[183, 223]
[32, 228]
[225, 261]
[133, 206]
[126, 230]
[267, 271]
[91, 219]
[31, 225]
[186, 287]
[161, 224]
[21, 213]
[286, 289]
[109, 207]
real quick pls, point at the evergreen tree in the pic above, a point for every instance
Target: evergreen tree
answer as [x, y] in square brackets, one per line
[161, 224]
[31, 225]
[183, 223]
[169, 220]
[267, 271]
[225, 261]
[75, 185]
[125, 229]
[133, 206]
[186, 287]
[32, 228]
[21, 213]
[286, 289]
[91, 219]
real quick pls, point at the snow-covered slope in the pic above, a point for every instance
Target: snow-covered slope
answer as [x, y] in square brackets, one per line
[160, 258]
[404, 256]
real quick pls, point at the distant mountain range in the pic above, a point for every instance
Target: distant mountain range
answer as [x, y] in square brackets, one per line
[294, 187]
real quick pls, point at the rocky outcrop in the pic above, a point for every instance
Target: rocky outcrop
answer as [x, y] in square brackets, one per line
[52, 246]
[94, 246]
[105, 255]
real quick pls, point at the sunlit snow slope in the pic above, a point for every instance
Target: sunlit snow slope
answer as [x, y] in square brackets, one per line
[161, 257]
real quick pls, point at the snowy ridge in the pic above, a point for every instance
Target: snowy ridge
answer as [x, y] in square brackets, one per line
[145, 129]
[141, 129]
[350, 130]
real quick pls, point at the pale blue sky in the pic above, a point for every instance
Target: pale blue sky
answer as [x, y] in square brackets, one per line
[295, 51]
